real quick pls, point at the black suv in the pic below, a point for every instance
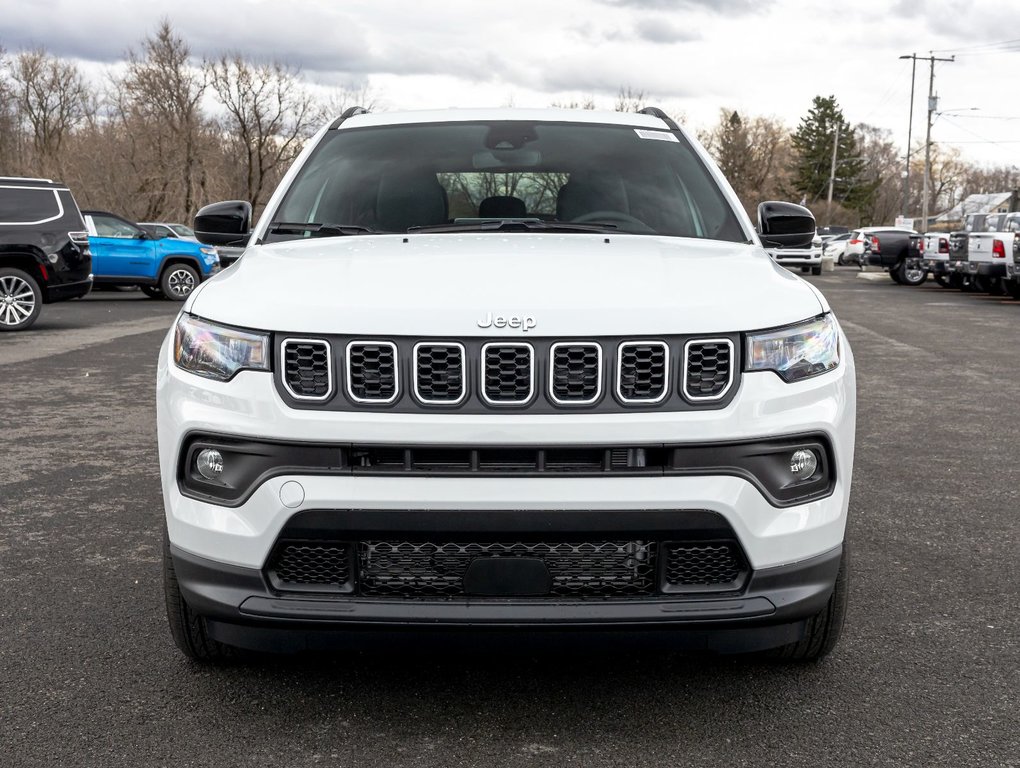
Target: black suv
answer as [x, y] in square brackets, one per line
[44, 249]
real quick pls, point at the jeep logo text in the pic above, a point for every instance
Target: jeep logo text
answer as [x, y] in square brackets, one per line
[524, 322]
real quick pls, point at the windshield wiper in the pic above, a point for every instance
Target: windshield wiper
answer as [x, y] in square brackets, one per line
[519, 225]
[317, 229]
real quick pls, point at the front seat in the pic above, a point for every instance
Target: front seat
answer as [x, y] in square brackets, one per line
[502, 207]
[410, 199]
[587, 193]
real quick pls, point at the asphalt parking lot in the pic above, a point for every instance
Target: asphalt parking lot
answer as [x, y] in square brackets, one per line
[927, 672]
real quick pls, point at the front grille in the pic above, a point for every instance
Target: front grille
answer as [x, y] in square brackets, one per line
[508, 373]
[307, 372]
[537, 376]
[372, 371]
[603, 569]
[643, 373]
[703, 567]
[709, 369]
[311, 566]
[439, 373]
[575, 373]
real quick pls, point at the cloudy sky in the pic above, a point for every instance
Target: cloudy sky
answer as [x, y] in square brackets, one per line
[689, 56]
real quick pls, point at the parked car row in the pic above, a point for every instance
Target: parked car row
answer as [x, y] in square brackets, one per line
[50, 250]
[984, 256]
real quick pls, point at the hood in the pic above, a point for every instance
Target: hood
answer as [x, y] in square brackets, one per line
[446, 284]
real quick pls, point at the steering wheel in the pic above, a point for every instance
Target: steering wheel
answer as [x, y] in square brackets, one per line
[611, 217]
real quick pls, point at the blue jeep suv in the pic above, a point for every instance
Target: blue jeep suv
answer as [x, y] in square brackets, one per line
[125, 254]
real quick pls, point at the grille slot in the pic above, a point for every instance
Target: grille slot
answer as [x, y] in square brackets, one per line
[372, 371]
[311, 567]
[602, 569]
[642, 371]
[439, 373]
[715, 566]
[575, 373]
[708, 370]
[307, 369]
[508, 373]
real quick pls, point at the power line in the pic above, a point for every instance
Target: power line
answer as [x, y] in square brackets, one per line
[979, 46]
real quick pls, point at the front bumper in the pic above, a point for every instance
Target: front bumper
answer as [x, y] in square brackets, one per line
[240, 609]
[222, 551]
[797, 257]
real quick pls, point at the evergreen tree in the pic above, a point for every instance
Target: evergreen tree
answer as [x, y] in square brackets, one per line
[812, 144]
[733, 152]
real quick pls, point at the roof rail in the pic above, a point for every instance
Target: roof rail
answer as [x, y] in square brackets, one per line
[656, 112]
[26, 178]
[349, 112]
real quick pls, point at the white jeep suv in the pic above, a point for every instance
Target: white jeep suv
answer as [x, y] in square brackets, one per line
[516, 369]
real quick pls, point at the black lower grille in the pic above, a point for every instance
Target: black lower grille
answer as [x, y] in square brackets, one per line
[311, 566]
[407, 569]
[703, 567]
[403, 569]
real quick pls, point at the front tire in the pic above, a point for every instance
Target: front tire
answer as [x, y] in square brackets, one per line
[816, 270]
[824, 628]
[178, 281]
[188, 628]
[20, 300]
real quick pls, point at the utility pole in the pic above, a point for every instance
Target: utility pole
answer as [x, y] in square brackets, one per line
[832, 176]
[932, 106]
[910, 131]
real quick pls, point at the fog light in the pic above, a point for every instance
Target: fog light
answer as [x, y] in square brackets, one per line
[210, 463]
[803, 463]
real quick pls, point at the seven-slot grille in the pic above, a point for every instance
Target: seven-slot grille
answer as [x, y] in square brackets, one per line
[439, 373]
[508, 373]
[307, 369]
[642, 371]
[575, 373]
[709, 369]
[372, 371]
[540, 375]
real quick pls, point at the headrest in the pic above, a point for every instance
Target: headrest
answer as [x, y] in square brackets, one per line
[410, 199]
[502, 207]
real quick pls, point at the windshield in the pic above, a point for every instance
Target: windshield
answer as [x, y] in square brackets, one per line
[182, 230]
[460, 176]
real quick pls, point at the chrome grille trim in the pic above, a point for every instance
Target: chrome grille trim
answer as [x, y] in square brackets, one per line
[531, 372]
[396, 371]
[552, 372]
[329, 368]
[463, 372]
[686, 367]
[619, 372]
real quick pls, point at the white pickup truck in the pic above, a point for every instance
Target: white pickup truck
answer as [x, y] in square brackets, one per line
[993, 253]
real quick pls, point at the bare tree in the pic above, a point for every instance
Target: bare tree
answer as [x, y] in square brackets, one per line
[158, 102]
[269, 117]
[52, 99]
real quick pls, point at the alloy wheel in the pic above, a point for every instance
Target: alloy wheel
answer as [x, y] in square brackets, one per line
[181, 282]
[17, 301]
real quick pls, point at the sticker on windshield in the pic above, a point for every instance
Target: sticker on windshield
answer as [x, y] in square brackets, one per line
[656, 135]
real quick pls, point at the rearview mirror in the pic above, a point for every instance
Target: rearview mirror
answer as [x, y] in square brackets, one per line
[226, 223]
[785, 225]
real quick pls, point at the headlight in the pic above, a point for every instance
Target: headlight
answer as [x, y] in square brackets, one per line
[217, 352]
[797, 352]
[211, 251]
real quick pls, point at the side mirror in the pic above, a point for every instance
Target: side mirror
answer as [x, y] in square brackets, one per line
[227, 223]
[785, 225]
